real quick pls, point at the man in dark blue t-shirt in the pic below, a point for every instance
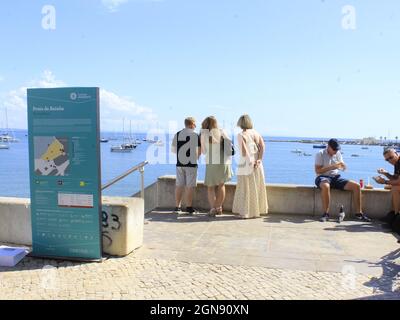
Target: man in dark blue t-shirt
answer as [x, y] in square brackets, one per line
[186, 145]
[393, 180]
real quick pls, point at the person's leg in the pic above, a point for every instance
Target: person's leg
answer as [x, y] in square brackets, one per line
[211, 196]
[355, 188]
[325, 195]
[189, 196]
[180, 186]
[396, 198]
[220, 196]
[191, 183]
[178, 196]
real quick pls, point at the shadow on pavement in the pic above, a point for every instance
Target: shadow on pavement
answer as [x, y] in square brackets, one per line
[168, 216]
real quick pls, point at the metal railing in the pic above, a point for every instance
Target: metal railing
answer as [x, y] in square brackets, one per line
[139, 167]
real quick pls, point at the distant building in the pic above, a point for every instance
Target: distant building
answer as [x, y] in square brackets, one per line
[369, 141]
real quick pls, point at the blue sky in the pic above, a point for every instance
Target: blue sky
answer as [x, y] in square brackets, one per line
[288, 63]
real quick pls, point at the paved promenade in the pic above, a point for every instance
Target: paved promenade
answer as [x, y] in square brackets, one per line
[185, 257]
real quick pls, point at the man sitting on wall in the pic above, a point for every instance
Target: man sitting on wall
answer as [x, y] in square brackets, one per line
[393, 180]
[328, 162]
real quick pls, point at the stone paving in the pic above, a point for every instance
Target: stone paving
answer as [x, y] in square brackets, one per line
[277, 257]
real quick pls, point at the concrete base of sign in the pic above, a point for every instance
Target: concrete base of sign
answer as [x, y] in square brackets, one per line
[122, 221]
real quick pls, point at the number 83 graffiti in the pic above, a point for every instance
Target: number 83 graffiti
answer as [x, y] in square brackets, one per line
[115, 225]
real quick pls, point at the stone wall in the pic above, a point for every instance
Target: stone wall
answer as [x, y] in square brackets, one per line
[282, 198]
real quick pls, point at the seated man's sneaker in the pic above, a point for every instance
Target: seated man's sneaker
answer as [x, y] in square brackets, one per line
[324, 218]
[362, 217]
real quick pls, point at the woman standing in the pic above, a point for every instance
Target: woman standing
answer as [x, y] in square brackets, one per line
[218, 165]
[250, 199]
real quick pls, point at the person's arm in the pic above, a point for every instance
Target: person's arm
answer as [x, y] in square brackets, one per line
[387, 174]
[174, 144]
[341, 162]
[261, 147]
[395, 182]
[203, 144]
[392, 182]
[242, 145]
[320, 169]
[198, 149]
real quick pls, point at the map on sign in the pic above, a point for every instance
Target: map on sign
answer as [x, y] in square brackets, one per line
[51, 156]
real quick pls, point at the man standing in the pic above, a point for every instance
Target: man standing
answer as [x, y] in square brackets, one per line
[393, 158]
[328, 162]
[186, 145]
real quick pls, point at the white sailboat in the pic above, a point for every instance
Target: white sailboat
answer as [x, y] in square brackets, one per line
[131, 144]
[125, 147]
[5, 135]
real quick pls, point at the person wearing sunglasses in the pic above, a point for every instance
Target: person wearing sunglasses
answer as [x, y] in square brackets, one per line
[393, 180]
[328, 163]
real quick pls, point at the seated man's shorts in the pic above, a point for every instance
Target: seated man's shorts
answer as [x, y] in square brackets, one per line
[336, 182]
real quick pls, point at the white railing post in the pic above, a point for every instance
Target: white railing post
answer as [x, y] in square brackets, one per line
[141, 170]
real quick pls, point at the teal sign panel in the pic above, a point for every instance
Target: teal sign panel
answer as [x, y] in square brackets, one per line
[65, 181]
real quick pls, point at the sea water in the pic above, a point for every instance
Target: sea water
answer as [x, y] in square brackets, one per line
[280, 163]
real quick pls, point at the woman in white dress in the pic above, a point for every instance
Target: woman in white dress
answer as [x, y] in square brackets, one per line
[250, 199]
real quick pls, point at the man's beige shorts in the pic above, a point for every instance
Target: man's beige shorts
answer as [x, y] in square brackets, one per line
[186, 177]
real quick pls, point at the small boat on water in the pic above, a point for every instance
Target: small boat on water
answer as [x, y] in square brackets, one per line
[103, 140]
[297, 151]
[125, 147]
[307, 154]
[4, 146]
[364, 148]
[121, 149]
[354, 155]
[129, 145]
[319, 146]
[5, 137]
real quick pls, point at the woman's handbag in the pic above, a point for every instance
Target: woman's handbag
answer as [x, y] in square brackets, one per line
[228, 147]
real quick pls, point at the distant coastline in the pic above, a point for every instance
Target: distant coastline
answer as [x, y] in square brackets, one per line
[360, 142]
[370, 141]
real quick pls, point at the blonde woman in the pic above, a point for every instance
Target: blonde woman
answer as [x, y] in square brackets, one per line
[218, 165]
[250, 199]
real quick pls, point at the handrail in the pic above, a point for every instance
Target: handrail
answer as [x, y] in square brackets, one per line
[139, 167]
